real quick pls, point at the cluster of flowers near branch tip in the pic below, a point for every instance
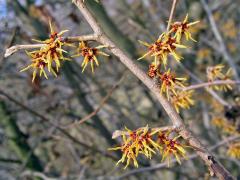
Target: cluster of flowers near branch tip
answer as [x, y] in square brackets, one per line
[89, 54]
[216, 73]
[234, 150]
[230, 128]
[148, 142]
[167, 45]
[51, 55]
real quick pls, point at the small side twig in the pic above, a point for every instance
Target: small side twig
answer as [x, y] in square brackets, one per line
[89, 37]
[172, 13]
[13, 49]
[118, 133]
[63, 131]
[37, 175]
[210, 91]
[102, 103]
[207, 84]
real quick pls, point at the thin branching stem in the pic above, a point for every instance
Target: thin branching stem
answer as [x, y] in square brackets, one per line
[13, 49]
[177, 121]
[207, 84]
[174, 4]
[45, 119]
[102, 103]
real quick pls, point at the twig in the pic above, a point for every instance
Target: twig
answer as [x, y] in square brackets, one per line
[22, 105]
[171, 13]
[118, 133]
[207, 84]
[163, 165]
[13, 49]
[210, 91]
[177, 121]
[164, 128]
[89, 37]
[10, 42]
[6, 160]
[37, 174]
[102, 103]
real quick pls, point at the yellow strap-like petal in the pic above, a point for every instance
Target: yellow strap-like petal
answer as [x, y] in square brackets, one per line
[92, 66]
[44, 73]
[144, 43]
[62, 32]
[34, 75]
[103, 53]
[144, 55]
[50, 26]
[26, 68]
[96, 60]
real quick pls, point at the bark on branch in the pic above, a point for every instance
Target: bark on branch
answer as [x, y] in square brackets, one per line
[214, 166]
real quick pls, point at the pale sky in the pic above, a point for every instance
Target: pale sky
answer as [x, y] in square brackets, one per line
[3, 8]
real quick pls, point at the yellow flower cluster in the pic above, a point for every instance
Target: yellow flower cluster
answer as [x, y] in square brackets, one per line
[229, 29]
[168, 42]
[89, 54]
[231, 128]
[183, 28]
[147, 142]
[167, 45]
[51, 55]
[216, 73]
[160, 49]
[171, 147]
[182, 100]
[234, 150]
[169, 81]
[204, 53]
[227, 126]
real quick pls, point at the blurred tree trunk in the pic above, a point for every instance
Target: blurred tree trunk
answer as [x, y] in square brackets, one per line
[76, 84]
[17, 140]
[110, 28]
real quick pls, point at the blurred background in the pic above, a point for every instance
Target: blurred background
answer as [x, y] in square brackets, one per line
[35, 139]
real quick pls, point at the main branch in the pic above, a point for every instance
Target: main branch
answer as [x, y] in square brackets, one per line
[214, 166]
